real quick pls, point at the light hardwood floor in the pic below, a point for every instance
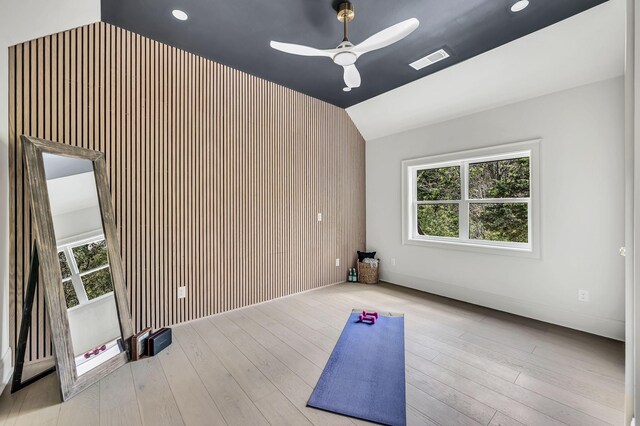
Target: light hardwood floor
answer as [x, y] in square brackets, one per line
[465, 365]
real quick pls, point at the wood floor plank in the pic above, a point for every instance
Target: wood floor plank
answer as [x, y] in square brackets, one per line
[83, 409]
[436, 409]
[541, 403]
[41, 405]
[455, 399]
[417, 418]
[290, 308]
[265, 338]
[503, 420]
[305, 369]
[581, 383]
[302, 329]
[236, 407]
[482, 363]
[252, 381]
[292, 386]
[496, 400]
[280, 411]
[601, 366]
[156, 401]
[10, 405]
[571, 399]
[194, 402]
[303, 346]
[118, 403]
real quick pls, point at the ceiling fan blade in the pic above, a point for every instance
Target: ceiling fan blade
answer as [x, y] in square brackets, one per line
[388, 36]
[298, 49]
[351, 76]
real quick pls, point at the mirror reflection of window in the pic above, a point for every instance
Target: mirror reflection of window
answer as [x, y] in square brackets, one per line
[85, 271]
[84, 261]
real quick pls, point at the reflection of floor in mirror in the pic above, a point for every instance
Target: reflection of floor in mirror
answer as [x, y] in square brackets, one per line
[465, 365]
[86, 362]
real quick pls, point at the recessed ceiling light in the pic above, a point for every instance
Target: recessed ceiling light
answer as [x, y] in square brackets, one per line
[346, 89]
[180, 15]
[519, 5]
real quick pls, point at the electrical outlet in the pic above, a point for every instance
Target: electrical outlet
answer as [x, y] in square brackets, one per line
[337, 262]
[393, 261]
[583, 295]
[182, 292]
[319, 217]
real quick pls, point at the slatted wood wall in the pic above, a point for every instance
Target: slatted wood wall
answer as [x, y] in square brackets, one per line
[216, 176]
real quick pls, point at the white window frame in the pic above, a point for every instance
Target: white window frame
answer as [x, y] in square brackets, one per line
[462, 159]
[66, 247]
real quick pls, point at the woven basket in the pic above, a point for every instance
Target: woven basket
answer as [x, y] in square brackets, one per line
[368, 274]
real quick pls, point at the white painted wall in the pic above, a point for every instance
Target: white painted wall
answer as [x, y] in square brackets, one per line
[582, 210]
[22, 20]
[585, 48]
[93, 324]
[77, 223]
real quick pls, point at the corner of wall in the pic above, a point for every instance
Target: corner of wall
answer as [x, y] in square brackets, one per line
[6, 367]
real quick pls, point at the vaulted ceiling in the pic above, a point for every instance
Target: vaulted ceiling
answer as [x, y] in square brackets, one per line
[237, 33]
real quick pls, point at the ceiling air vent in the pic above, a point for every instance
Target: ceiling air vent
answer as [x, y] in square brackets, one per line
[430, 59]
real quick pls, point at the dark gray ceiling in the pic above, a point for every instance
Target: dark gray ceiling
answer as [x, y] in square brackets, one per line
[237, 33]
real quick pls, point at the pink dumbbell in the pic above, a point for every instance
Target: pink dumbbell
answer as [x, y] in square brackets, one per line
[370, 314]
[370, 319]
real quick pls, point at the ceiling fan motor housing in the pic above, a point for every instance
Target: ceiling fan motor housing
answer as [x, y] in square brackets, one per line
[346, 11]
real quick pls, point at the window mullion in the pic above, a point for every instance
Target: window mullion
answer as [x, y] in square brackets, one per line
[91, 271]
[464, 202]
[76, 280]
[421, 203]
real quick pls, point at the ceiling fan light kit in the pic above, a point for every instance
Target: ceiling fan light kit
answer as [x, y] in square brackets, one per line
[346, 53]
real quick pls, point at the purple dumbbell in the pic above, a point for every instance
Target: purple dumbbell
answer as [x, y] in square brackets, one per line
[366, 318]
[369, 314]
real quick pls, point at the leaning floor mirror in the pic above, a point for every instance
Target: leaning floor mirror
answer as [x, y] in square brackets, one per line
[80, 265]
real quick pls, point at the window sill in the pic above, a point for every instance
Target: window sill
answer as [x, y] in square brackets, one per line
[472, 247]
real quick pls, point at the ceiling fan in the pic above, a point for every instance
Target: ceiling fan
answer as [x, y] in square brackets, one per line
[347, 53]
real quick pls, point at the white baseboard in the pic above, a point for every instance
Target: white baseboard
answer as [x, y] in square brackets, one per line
[6, 368]
[606, 327]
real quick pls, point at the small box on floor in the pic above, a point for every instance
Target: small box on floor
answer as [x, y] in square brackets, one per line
[158, 340]
[139, 344]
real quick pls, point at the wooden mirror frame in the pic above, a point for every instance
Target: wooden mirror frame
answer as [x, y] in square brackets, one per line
[50, 277]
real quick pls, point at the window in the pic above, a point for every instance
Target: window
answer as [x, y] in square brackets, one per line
[481, 200]
[86, 275]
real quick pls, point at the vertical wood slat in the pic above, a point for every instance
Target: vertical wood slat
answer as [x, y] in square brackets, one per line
[216, 176]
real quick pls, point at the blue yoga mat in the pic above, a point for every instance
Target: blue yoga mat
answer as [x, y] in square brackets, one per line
[364, 376]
